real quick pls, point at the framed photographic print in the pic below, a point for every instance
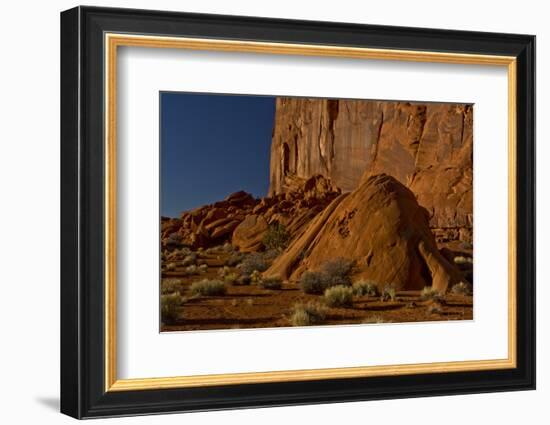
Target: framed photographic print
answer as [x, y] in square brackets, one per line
[261, 212]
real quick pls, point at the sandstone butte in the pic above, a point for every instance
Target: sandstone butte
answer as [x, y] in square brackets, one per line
[428, 147]
[382, 227]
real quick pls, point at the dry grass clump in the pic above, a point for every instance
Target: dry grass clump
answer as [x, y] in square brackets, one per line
[270, 283]
[463, 260]
[189, 260]
[375, 318]
[169, 286]
[462, 288]
[307, 314]
[207, 287]
[365, 288]
[169, 306]
[429, 293]
[231, 278]
[170, 266]
[388, 294]
[339, 296]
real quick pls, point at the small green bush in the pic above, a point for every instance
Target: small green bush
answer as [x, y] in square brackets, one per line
[339, 296]
[462, 288]
[365, 288]
[169, 305]
[271, 283]
[307, 314]
[208, 287]
[276, 237]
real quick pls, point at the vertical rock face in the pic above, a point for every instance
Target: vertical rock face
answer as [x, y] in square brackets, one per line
[427, 147]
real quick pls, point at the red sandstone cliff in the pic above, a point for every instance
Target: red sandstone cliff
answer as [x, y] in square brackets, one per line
[428, 147]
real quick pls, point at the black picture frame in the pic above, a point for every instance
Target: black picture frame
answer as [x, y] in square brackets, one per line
[83, 392]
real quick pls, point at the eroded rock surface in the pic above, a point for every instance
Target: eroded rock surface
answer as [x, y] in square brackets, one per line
[243, 220]
[427, 147]
[380, 226]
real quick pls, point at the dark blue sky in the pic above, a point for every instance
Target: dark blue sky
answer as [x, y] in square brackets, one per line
[211, 146]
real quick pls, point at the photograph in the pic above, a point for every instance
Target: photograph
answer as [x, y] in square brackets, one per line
[283, 211]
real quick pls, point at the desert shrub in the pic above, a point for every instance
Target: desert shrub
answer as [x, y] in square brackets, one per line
[203, 268]
[189, 260]
[462, 288]
[234, 259]
[429, 293]
[276, 237]
[231, 278]
[388, 293]
[169, 305]
[170, 266]
[365, 288]
[207, 287]
[271, 254]
[191, 270]
[337, 271]
[463, 260]
[313, 282]
[271, 283]
[169, 286]
[307, 314]
[254, 262]
[339, 296]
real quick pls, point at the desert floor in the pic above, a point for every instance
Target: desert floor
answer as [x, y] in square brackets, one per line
[251, 306]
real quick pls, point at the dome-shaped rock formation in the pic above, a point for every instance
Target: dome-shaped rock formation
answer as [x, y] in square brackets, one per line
[380, 226]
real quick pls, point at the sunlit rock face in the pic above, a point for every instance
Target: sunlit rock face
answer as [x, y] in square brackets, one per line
[428, 147]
